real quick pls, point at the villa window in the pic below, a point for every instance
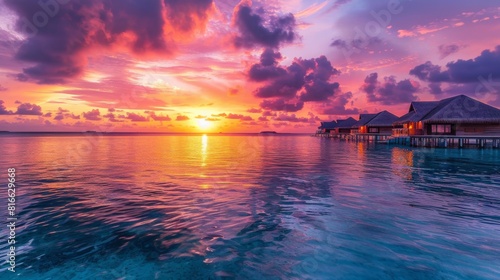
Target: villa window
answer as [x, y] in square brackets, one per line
[441, 129]
[373, 130]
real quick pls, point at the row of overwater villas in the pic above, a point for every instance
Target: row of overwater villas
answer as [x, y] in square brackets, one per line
[455, 116]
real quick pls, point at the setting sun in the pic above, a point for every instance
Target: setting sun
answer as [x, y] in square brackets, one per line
[203, 124]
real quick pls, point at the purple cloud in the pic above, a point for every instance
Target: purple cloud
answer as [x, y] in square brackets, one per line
[268, 114]
[160, 118]
[337, 106]
[93, 115]
[291, 118]
[281, 105]
[476, 76]
[430, 73]
[136, 117]
[257, 30]
[60, 35]
[390, 92]
[461, 71]
[3, 109]
[239, 117]
[267, 69]
[29, 109]
[307, 79]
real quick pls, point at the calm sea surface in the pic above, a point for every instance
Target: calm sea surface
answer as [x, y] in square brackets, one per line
[248, 207]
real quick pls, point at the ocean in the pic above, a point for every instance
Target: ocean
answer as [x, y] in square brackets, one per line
[167, 206]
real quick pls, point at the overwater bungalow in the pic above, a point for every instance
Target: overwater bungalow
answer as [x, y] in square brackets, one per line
[459, 116]
[380, 123]
[326, 127]
[336, 128]
[345, 126]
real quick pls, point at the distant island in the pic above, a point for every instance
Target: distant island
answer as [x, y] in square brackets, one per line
[268, 132]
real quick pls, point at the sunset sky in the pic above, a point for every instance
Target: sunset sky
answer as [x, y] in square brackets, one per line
[237, 66]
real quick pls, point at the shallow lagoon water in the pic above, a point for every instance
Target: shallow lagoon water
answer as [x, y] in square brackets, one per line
[250, 207]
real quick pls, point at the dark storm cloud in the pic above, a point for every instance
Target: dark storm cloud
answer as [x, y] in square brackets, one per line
[93, 115]
[255, 29]
[29, 109]
[389, 92]
[59, 33]
[281, 105]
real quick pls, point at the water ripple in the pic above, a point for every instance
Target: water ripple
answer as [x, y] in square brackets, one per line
[222, 207]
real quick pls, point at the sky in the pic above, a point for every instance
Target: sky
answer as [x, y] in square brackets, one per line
[237, 66]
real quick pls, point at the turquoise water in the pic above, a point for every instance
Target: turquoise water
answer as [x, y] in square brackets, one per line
[249, 207]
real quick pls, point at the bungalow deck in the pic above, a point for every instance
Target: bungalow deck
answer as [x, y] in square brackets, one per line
[440, 141]
[361, 137]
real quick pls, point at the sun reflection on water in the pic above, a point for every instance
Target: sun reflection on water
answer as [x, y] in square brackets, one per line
[204, 145]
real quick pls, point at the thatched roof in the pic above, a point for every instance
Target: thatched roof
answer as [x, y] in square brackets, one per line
[458, 109]
[364, 119]
[383, 118]
[328, 125]
[462, 109]
[347, 123]
[418, 110]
